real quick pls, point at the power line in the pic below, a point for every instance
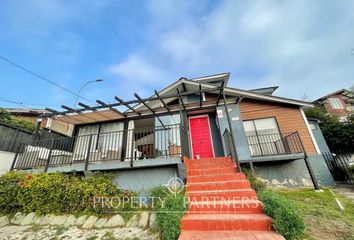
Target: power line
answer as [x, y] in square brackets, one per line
[14, 102]
[31, 104]
[43, 78]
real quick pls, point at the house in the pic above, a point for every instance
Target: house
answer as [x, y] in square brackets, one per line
[145, 145]
[339, 103]
[28, 114]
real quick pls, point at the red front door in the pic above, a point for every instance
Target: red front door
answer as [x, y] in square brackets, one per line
[200, 137]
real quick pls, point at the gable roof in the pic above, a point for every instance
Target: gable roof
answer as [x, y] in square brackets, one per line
[342, 91]
[209, 82]
[265, 90]
[185, 86]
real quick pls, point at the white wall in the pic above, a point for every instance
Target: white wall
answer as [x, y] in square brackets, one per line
[6, 159]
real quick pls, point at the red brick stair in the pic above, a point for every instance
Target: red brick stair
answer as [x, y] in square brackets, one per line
[222, 204]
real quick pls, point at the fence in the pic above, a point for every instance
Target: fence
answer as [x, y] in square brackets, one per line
[341, 165]
[274, 144]
[11, 137]
[127, 145]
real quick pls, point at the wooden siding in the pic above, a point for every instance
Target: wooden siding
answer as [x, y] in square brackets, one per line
[289, 118]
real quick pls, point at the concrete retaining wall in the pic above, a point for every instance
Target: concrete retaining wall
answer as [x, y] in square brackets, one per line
[294, 173]
[284, 173]
[142, 180]
[6, 159]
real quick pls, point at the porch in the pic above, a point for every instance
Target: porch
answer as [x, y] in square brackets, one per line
[130, 148]
[142, 148]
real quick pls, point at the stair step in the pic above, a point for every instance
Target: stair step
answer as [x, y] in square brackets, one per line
[213, 222]
[225, 185]
[210, 166]
[214, 171]
[226, 206]
[211, 160]
[228, 235]
[217, 177]
[221, 194]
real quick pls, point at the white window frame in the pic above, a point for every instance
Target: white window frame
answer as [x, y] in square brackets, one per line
[335, 103]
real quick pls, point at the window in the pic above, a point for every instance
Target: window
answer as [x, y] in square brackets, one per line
[263, 137]
[261, 126]
[312, 126]
[335, 103]
[168, 142]
[106, 141]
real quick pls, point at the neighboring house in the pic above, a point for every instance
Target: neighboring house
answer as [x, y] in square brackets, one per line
[28, 114]
[339, 103]
[197, 118]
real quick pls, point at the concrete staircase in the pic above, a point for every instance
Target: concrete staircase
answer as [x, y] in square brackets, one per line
[222, 204]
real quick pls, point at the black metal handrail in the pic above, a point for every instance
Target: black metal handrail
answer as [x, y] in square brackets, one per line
[230, 148]
[141, 143]
[275, 144]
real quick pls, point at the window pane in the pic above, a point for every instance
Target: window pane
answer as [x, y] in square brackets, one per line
[249, 128]
[168, 120]
[266, 126]
[335, 103]
[312, 126]
[111, 140]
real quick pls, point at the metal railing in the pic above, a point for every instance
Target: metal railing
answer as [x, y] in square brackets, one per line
[230, 148]
[275, 144]
[128, 145]
[340, 164]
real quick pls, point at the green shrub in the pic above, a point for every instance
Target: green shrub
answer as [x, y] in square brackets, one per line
[5, 117]
[56, 193]
[287, 219]
[256, 184]
[169, 213]
[9, 191]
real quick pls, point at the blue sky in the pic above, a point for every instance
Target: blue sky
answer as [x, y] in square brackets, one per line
[305, 47]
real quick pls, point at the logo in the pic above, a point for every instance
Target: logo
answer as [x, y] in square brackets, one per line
[175, 185]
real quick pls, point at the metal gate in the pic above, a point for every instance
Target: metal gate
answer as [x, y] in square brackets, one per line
[340, 165]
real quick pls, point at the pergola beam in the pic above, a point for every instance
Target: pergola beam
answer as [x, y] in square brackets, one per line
[87, 107]
[148, 107]
[220, 94]
[52, 111]
[143, 102]
[103, 104]
[180, 97]
[70, 109]
[127, 105]
[163, 102]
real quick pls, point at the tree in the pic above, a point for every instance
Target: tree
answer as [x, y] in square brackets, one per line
[338, 135]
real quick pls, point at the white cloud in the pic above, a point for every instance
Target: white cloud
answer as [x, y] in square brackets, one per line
[302, 46]
[136, 74]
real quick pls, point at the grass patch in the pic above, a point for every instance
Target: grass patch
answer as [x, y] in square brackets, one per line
[323, 219]
[92, 237]
[108, 236]
[36, 228]
[60, 230]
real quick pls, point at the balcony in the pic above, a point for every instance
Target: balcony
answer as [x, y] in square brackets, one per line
[277, 146]
[121, 149]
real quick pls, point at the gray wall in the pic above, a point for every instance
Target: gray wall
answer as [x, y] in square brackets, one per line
[238, 130]
[6, 159]
[317, 133]
[284, 173]
[320, 169]
[144, 179]
[216, 137]
[294, 173]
